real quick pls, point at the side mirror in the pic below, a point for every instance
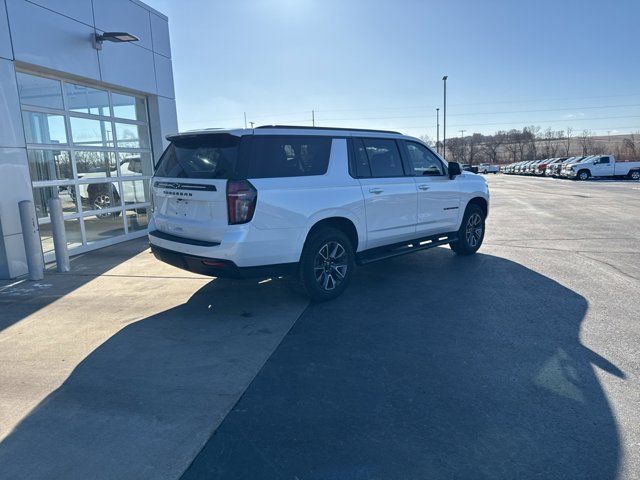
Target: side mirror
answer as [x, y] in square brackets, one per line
[454, 170]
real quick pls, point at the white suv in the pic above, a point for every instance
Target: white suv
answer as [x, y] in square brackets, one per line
[310, 202]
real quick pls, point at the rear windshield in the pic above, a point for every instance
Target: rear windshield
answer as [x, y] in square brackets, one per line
[288, 156]
[201, 156]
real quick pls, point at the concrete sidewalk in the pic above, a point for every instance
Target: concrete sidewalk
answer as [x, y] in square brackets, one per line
[124, 367]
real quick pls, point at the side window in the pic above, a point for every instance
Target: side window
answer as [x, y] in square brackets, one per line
[604, 160]
[423, 160]
[384, 157]
[289, 156]
[359, 161]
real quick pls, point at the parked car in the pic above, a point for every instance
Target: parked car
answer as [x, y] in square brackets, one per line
[467, 167]
[308, 202]
[600, 166]
[488, 168]
[567, 166]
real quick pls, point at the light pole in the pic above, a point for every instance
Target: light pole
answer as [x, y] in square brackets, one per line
[438, 130]
[444, 122]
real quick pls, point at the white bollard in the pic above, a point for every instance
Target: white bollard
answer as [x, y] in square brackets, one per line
[31, 238]
[59, 235]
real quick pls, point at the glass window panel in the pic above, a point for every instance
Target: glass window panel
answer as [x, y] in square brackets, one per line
[91, 133]
[129, 107]
[137, 219]
[135, 163]
[66, 193]
[132, 136]
[49, 165]
[98, 196]
[103, 227]
[39, 91]
[95, 164]
[136, 191]
[44, 128]
[72, 232]
[87, 100]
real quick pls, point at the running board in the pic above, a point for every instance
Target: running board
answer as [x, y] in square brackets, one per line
[397, 249]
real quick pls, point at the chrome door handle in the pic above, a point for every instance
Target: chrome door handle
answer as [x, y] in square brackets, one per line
[375, 190]
[423, 187]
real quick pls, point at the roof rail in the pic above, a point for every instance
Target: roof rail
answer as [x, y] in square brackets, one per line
[301, 127]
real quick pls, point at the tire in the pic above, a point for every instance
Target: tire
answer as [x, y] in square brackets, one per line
[634, 175]
[326, 264]
[102, 198]
[583, 175]
[471, 232]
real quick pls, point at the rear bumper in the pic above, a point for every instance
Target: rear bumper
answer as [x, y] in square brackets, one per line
[215, 267]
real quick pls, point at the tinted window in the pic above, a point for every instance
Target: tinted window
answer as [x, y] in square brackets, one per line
[604, 160]
[424, 162]
[288, 156]
[360, 162]
[384, 157]
[200, 156]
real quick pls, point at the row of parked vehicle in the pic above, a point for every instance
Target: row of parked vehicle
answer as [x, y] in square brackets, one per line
[576, 168]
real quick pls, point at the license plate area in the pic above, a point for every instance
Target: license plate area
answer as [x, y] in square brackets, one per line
[179, 207]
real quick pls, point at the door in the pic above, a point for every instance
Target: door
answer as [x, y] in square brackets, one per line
[438, 197]
[389, 195]
[603, 167]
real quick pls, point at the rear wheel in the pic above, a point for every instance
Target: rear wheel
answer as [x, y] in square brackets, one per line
[327, 264]
[635, 175]
[471, 233]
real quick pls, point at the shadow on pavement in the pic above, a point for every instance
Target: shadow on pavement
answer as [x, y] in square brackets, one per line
[19, 299]
[144, 402]
[429, 366]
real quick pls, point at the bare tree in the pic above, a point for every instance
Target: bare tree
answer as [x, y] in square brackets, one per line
[631, 147]
[456, 149]
[491, 146]
[567, 141]
[427, 139]
[585, 140]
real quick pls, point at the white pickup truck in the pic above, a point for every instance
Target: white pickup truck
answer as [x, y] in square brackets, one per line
[487, 168]
[603, 166]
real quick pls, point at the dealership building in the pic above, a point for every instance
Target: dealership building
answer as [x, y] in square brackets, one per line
[84, 111]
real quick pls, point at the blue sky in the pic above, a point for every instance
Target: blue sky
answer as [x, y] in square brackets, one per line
[379, 64]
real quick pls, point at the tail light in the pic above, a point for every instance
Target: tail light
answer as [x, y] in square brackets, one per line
[241, 201]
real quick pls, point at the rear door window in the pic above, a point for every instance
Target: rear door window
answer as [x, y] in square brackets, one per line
[384, 157]
[201, 156]
[275, 156]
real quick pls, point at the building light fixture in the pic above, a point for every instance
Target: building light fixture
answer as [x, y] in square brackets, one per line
[117, 37]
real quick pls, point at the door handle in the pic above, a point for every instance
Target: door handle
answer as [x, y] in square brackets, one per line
[423, 187]
[376, 190]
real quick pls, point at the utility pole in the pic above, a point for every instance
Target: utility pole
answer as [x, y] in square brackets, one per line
[438, 130]
[251, 123]
[313, 118]
[462, 132]
[245, 120]
[444, 124]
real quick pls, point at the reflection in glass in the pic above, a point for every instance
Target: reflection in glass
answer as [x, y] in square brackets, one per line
[103, 227]
[72, 232]
[66, 193]
[132, 136]
[137, 219]
[131, 108]
[49, 165]
[95, 164]
[100, 196]
[87, 100]
[135, 163]
[91, 133]
[39, 91]
[44, 128]
[136, 191]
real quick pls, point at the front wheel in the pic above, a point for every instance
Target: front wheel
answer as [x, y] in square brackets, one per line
[471, 232]
[327, 264]
[583, 175]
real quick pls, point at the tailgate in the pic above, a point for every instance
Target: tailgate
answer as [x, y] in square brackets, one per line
[194, 209]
